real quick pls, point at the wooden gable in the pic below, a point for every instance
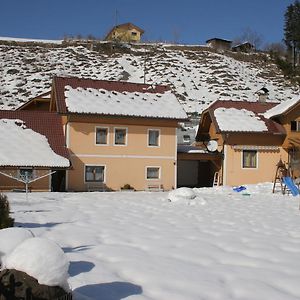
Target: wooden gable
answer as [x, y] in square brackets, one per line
[38, 103]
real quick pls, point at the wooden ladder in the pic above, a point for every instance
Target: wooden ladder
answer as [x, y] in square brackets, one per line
[216, 179]
[281, 171]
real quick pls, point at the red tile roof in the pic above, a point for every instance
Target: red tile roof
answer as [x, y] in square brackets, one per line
[118, 86]
[257, 107]
[46, 123]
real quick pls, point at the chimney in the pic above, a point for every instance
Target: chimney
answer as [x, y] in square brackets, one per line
[263, 94]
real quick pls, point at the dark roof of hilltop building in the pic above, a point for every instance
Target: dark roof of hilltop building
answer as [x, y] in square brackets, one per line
[218, 40]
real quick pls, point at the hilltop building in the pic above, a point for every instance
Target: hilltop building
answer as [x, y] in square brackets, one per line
[127, 32]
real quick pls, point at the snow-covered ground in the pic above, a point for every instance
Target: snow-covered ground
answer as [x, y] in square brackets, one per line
[138, 245]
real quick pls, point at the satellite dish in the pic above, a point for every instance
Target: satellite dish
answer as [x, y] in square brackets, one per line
[212, 146]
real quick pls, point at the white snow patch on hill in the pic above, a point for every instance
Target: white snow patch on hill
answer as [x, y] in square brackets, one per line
[196, 74]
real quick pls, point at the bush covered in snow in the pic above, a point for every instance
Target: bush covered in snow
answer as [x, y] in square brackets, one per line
[5, 219]
[12, 236]
[18, 285]
[42, 259]
[182, 193]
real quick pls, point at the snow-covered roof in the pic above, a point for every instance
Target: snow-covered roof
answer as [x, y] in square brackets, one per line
[86, 96]
[21, 146]
[232, 119]
[31, 139]
[282, 107]
[190, 149]
[241, 116]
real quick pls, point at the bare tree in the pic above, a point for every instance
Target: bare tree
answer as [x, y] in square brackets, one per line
[176, 35]
[276, 48]
[251, 36]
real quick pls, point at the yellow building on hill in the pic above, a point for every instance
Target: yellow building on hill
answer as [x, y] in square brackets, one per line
[125, 33]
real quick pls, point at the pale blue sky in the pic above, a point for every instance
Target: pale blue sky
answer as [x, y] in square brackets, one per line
[189, 21]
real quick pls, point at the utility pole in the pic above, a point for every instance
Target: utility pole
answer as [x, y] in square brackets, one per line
[145, 58]
[116, 17]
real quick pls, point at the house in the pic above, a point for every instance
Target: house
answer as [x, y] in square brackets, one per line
[118, 133]
[219, 44]
[287, 114]
[251, 144]
[243, 47]
[32, 146]
[127, 32]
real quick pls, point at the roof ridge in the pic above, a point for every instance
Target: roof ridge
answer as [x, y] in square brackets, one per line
[109, 81]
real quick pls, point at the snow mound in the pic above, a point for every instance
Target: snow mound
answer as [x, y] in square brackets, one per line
[42, 259]
[180, 194]
[11, 237]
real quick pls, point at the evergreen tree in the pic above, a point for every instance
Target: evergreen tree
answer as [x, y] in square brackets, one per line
[292, 29]
[5, 220]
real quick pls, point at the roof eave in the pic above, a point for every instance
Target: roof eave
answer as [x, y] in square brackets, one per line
[250, 132]
[35, 167]
[179, 119]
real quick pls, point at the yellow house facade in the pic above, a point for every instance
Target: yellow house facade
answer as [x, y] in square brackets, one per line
[118, 134]
[250, 143]
[288, 115]
[127, 32]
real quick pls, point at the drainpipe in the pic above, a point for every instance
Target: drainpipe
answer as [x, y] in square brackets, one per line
[224, 168]
[67, 133]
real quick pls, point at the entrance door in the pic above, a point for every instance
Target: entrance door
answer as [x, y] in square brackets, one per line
[58, 181]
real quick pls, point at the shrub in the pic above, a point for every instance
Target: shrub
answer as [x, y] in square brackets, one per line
[5, 220]
[127, 187]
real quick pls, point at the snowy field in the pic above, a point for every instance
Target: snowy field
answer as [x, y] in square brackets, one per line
[137, 245]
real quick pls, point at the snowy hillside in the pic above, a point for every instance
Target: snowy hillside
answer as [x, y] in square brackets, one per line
[197, 74]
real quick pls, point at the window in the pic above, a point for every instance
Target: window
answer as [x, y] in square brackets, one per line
[295, 126]
[101, 136]
[133, 33]
[153, 137]
[120, 136]
[186, 138]
[26, 174]
[249, 158]
[94, 173]
[153, 172]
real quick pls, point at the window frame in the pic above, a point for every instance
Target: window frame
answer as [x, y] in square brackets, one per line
[185, 139]
[297, 124]
[94, 181]
[148, 138]
[256, 159]
[126, 135]
[107, 135]
[31, 171]
[153, 167]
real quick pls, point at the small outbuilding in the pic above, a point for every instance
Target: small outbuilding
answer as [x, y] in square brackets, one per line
[32, 150]
[243, 47]
[219, 44]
